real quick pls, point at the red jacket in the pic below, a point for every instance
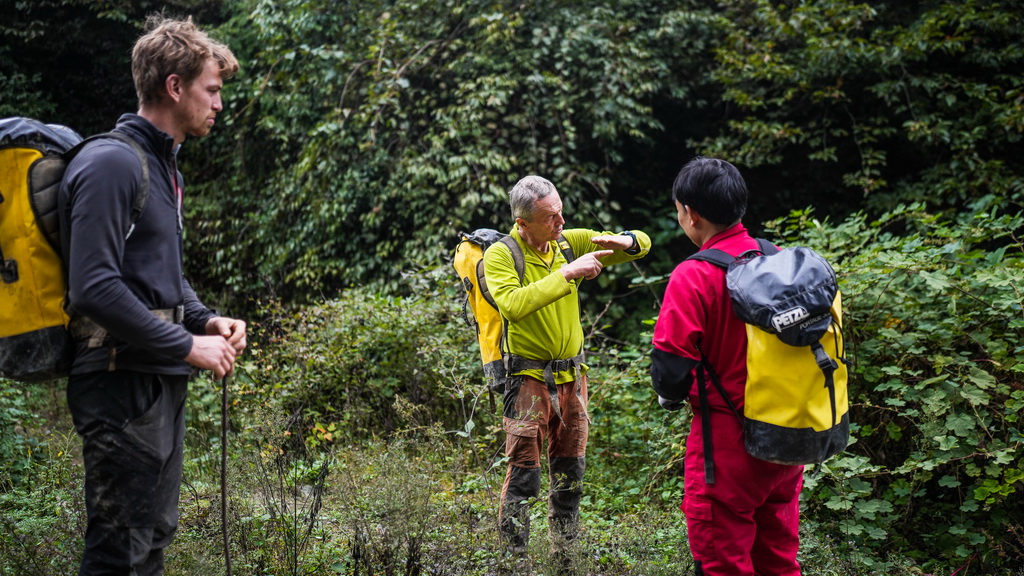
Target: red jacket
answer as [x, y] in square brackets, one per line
[696, 321]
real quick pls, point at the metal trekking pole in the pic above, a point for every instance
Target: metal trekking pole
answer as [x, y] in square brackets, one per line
[224, 473]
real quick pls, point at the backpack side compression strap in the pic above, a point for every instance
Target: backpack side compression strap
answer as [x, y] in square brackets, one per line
[8, 269]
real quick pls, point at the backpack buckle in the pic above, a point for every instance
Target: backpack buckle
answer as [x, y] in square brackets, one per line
[9, 272]
[827, 364]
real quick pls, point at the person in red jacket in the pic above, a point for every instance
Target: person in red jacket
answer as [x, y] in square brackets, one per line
[743, 520]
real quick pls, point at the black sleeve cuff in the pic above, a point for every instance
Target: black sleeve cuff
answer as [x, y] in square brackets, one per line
[635, 248]
[671, 375]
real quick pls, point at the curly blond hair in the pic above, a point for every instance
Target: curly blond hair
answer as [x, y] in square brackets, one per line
[172, 46]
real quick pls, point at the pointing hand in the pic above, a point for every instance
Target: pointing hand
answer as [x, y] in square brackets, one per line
[587, 266]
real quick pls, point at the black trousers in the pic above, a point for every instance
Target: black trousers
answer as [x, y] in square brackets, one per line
[133, 428]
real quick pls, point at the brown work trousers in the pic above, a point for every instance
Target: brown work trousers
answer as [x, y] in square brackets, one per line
[535, 413]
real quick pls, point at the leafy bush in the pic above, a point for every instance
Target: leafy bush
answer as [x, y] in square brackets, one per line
[395, 123]
[934, 326]
[858, 104]
[638, 445]
[42, 520]
[337, 369]
[19, 449]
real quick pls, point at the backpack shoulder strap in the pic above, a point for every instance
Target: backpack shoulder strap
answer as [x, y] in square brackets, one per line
[704, 372]
[143, 196]
[723, 260]
[517, 260]
[566, 249]
[517, 255]
[767, 248]
[714, 256]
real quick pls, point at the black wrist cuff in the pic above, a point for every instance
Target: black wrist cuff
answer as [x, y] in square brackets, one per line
[635, 248]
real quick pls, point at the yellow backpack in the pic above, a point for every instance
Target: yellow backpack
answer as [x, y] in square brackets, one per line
[34, 341]
[469, 263]
[795, 408]
[490, 327]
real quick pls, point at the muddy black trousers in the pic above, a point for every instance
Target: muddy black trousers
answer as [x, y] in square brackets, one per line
[132, 427]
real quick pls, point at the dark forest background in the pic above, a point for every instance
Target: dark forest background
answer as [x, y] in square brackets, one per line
[361, 137]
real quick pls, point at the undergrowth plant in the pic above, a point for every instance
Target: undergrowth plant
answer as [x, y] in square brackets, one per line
[934, 325]
[20, 415]
[342, 364]
[42, 517]
[362, 441]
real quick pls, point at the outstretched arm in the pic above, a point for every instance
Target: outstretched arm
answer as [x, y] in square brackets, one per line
[615, 241]
[624, 247]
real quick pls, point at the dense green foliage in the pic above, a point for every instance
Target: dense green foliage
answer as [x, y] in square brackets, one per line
[422, 500]
[361, 136]
[396, 125]
[935, 323]
[68, 61]
[343, 364]
[886, 103]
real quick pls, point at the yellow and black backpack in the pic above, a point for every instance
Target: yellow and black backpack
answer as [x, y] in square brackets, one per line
[34, 341]
[490, 328]
[796, 409]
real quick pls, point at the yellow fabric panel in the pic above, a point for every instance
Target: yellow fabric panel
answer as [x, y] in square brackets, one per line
[488, 319]
[785, 386]
[489, 333]
[35, 301]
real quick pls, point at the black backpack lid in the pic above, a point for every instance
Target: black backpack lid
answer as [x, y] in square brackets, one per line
[26, 131]
[483, 237]
[789, 294]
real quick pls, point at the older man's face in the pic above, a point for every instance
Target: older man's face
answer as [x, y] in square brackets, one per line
[546, 222]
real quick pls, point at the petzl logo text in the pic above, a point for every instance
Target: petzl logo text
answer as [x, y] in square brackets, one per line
[788, 318]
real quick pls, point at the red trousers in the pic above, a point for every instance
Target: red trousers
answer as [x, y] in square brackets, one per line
[746, 523]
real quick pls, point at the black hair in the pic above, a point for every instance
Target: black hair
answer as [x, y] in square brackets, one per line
[712, 187]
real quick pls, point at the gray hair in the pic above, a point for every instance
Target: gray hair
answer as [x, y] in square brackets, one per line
[522, 198]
